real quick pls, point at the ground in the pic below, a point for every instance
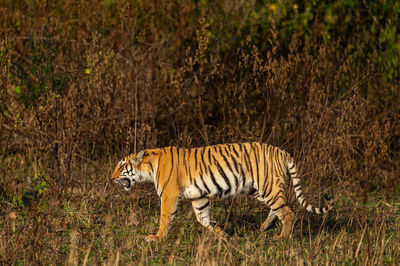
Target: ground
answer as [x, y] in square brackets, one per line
[94, 222]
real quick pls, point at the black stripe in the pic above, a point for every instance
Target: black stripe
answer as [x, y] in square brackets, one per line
[219, 188]
[209, 155]
[230, 148]
[296, 186]
[302, 202]
[174, 213]
[301, 194]
[201, 172]
[201, 161]
[225, 159]
[202, 156]
[240, 149]
[281, 162]
[190, 173]
[246, 158]
[235, 164]
[185, 162]
[204, 184]
[223, 174]
[157, 178]
[268, 189]
[252, 191]
[266, 176]
[276, 159]
[230, 167]
[204, 206]
[158, 174]
[266, 185]
[201, 191]
[281, 206]
[273, 200]
[241, 163]
[248, 164]
[256, 162]
[277, 196]
[172, 157]
[170, 173]
[189, 160]
[215, 149]
[190, 153]
[235, 151]
[195, 159]
[271, 162]
[241, 173]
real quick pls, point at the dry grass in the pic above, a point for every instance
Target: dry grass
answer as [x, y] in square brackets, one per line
[93, 222]
[84, 83]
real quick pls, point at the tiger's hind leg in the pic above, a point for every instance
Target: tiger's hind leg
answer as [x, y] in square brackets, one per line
[286, 216]
[273, 195]
[201, 208]
[269, 221]
[271, 216]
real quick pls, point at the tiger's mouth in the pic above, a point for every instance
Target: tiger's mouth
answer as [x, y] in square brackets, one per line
[125, 183]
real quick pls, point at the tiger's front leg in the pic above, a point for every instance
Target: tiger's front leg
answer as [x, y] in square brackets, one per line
[202, 209]
[169, 207]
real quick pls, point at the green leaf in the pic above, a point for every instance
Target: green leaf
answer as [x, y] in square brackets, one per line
[17, 89]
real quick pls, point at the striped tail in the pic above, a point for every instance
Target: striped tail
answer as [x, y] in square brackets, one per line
[292, 170]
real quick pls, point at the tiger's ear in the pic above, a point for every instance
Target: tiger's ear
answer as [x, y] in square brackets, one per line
[138, 158]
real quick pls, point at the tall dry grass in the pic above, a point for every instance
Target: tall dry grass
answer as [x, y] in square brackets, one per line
[86, 82]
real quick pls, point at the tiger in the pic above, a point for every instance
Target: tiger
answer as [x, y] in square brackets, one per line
[216, 171]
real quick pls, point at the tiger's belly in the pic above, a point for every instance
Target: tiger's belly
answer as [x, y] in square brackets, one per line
[195, 191]
[191, 192]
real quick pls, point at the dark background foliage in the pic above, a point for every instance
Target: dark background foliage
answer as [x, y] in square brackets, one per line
[85, 79]
[82, 81]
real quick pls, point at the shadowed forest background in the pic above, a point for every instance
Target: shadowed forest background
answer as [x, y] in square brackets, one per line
[84, 83]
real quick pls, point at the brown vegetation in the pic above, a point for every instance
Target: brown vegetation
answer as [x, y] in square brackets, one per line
[84, 83]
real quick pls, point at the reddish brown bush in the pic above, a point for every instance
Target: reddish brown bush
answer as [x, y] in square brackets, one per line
[87, 81]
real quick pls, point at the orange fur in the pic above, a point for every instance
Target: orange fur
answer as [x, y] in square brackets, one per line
[221, 170]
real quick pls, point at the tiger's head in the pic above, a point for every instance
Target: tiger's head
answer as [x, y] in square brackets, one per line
[130, 171]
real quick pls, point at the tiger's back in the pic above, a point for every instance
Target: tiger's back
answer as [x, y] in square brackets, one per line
[219, 170]
[228, 169]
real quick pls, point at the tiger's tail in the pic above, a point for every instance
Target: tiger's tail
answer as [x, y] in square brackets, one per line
[292, 171]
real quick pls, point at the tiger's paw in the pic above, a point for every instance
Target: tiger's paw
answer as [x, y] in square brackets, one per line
[281, 236]
[150, 238]
[265, 226]
[220, 232]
